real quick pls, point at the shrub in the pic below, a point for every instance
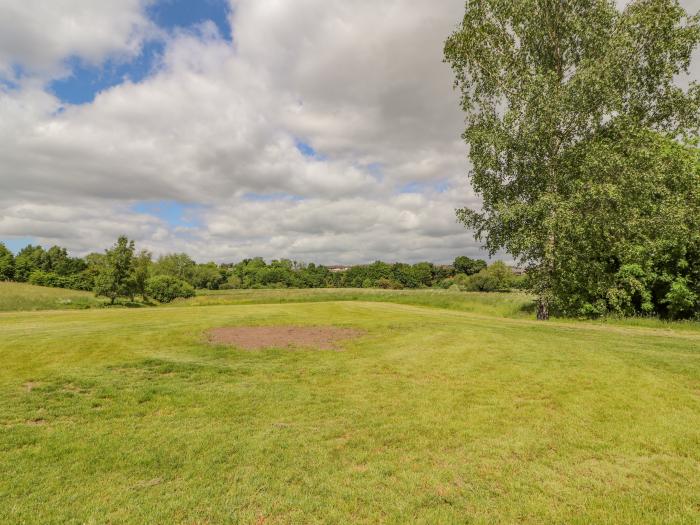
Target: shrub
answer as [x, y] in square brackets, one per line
[165, 288]
[389, 284]
[443, 283]
[462, 280]
[483, 282]
[232, 283]
[80, 281]
[496, 277]
[591, 311]
[520, 282]
[42, 278]
[680, 299]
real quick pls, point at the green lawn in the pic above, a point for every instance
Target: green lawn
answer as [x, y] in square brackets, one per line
[433, 416]
[499, 304]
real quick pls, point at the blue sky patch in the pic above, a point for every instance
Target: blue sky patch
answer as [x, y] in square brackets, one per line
[307, 150]
[421, 187]
[173, 212]
[184, 14]
[17, 243]
[86, 81]
[8, 85]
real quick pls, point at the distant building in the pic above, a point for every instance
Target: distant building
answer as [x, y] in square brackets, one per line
[517, 271]
[338, 268]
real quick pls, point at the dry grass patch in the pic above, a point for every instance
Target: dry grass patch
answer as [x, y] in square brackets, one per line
[258, 337]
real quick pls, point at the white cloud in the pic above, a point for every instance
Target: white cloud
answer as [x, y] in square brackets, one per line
[216, 125]
[39, 34]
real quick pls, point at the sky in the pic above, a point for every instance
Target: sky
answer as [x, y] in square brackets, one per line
[318, 130]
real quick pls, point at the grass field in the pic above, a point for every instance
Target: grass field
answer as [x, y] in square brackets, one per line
[498, 304]
[514, 305]
[456, 414]
[22, 296]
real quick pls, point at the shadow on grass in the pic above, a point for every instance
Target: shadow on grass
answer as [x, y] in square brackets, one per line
[529, 308]
[131, 304]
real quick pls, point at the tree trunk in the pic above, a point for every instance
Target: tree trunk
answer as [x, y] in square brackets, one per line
[545, 293]
[542, 309]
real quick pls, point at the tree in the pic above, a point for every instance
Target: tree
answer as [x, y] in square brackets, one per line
[542, 82]
[140, 272]
[114, 277]
[56, 260]
[468, 266]
[178, 265]
[423, 273]
[366, 275]
[313, 276]
[207, 276]
[29, 259]
[402, 273]
[7, 263]
[94, 260]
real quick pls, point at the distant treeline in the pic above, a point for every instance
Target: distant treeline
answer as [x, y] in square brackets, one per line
[121, 271]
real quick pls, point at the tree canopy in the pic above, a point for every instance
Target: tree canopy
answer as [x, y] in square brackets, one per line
[468, 266]
[113, 277]
[579, 138]
[7, 263]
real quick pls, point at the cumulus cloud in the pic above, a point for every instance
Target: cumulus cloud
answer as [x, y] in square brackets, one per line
[38, 35]
[219, 125]
[327, 130]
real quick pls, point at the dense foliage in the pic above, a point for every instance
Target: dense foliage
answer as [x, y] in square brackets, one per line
[54, 261]
[122, 272]
[7, 263]
[165, 288]
[645, 256]
[582, 149]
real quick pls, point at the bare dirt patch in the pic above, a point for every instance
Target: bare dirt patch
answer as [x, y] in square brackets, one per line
[257, 337]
